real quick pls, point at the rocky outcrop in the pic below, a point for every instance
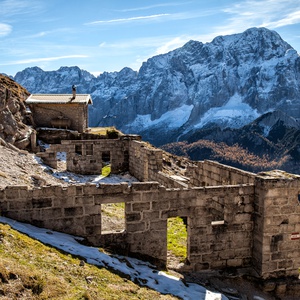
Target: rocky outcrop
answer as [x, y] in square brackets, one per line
[15, 122]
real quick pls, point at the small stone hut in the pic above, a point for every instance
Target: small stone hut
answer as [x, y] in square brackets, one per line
[67, 111]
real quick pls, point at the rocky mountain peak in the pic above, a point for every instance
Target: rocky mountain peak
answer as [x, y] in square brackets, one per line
[227, 83]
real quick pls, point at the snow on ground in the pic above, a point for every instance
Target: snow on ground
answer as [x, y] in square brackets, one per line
[73, 178]
[137, 270]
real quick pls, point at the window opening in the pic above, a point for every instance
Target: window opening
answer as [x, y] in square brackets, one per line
[61, 158]
[78, 149]
[89, 149]
[176, 242]
[112, 217]
[106, 157]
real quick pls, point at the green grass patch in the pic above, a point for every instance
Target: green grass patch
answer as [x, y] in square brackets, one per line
[177, 238]
[31, 270]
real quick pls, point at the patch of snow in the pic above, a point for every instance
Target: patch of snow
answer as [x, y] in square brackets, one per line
[62, 156]
[73, 178]
[267, 130]
[171, 119]
[137, 270]
[234, 114]
[179, 178]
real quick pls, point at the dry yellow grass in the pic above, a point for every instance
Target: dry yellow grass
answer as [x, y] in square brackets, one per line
[102, 130]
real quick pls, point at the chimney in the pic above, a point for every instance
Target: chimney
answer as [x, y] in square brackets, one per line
[74, 91]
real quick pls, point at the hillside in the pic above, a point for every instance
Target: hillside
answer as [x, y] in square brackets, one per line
[32, 270]
[234, 155]
[270, 142]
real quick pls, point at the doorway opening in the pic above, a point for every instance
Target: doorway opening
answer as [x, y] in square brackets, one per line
[176, 242]
[106, 163]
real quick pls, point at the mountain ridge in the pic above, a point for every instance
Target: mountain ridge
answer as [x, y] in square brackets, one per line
[227, 84]
[237, 73]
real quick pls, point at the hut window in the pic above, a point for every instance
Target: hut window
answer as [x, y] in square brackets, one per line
[78, 149]
[89, 149]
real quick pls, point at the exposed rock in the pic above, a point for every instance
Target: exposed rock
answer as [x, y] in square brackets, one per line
[14, 120]
[18, 167]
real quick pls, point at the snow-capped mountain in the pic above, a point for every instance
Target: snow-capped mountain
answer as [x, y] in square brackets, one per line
[228, 82]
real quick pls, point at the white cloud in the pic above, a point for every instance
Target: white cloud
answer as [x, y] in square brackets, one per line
[17, 7]
[154, 6]
[289, 19]
[5, 29]
[172, 44]
[132, 19]
[151, 42]
[267, 13]
[44, 59]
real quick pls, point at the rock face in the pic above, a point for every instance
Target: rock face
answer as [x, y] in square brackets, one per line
[228, 83]
[13, 116]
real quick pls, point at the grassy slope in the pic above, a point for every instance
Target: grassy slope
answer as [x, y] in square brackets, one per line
[235, 155]
[31, 270]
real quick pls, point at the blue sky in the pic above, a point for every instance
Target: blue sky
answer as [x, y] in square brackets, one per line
[99, 35]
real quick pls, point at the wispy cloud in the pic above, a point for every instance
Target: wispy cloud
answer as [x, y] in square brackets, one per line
[132, 19]
[172, 44]
[153, 6]
[43, 59]
[289, 19]
[55, 32]
[160, 17]
[5, 29]
[257, 13]
[144, 42]
[17, 7]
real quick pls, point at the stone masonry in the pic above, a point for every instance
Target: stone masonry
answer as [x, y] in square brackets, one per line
[234, 218]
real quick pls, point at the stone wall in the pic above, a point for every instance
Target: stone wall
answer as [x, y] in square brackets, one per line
[276, 235]
[76, 113]
[144, 160]
[145, 164]
[77, 210]
[219, 223]
[211, 173]
[89, 156]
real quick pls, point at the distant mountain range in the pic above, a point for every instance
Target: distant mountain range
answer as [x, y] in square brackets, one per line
[239, 89]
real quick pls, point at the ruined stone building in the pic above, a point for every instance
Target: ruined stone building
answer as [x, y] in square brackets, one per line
[234, 218]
